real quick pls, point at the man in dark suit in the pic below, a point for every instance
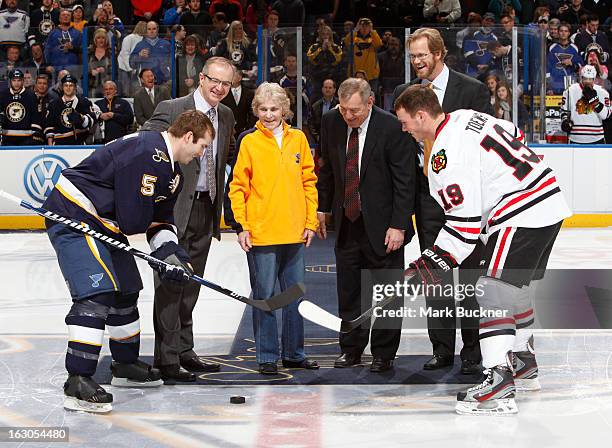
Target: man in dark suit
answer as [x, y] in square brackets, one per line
[367, 182]
[197, 215]
[239, 100]
[322, 106]
[454, 91]
[148, 96]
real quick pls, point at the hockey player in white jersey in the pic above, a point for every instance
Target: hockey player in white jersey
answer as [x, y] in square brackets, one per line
[495, 192]
[584, 107]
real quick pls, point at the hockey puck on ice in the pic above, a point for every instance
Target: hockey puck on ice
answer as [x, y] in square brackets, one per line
[237, 399]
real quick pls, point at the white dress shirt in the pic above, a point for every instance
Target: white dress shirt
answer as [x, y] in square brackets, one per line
[439, 84]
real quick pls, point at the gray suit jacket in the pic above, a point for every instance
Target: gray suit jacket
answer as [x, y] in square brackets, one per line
[165, 113]
[143, 107]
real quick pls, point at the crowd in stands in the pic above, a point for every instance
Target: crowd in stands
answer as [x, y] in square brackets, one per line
[129, 42]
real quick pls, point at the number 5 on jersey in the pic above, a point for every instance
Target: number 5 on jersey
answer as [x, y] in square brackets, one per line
[148, 185]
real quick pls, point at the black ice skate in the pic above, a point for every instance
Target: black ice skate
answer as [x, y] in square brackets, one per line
[84, 394]
[526, 369]
[495, 396]
[138, 374]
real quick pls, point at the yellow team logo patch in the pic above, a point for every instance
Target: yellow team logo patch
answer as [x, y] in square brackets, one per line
[438, 161]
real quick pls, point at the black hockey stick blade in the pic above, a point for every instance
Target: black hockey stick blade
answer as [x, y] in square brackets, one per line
[281, 300]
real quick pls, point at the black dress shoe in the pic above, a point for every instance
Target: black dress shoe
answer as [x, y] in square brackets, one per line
[306, 363]
[346, 360]
[469, 367]
[268, 368]
[195, 364]
[174, 373]
[439, 361]
[381, 365]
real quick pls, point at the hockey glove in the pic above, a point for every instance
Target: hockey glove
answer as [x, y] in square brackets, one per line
[180, 269]
[75, 118]
[567, 125]
[431, 268]
[591, 98]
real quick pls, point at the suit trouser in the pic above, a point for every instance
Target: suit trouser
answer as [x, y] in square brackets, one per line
[429, 220]
[354, 253]
[173, 305]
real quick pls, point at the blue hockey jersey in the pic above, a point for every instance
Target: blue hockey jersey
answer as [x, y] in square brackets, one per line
[556, 70]
[476, 52]
[127, 186]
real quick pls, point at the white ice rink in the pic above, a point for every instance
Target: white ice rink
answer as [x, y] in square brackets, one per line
[574, 408]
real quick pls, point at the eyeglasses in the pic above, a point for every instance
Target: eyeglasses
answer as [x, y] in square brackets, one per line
[225, 84]
[414, 57]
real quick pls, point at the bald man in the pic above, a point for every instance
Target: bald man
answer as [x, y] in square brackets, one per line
[116, 116]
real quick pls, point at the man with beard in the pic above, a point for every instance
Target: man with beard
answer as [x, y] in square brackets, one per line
[454, 91]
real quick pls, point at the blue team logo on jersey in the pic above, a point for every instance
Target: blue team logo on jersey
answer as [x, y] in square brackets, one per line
[41, 174]
[95, 280]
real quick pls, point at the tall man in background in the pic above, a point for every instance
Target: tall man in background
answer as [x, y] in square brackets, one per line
[197, 215]
[427, 52]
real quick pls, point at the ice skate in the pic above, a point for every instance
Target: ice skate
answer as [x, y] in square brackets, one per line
[526, 369]
[138, 374]
[84, 394]
[494, 396]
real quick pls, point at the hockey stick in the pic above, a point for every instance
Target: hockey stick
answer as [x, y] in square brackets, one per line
[319, 316]
[283, 299]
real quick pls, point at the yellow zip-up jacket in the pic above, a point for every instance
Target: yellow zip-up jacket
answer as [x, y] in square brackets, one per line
[273, 193]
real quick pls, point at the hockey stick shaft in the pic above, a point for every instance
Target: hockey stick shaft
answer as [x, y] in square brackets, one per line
[283, 299]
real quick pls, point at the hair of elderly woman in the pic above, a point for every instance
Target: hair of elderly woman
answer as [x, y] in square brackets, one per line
[351, 86]
[270, 91]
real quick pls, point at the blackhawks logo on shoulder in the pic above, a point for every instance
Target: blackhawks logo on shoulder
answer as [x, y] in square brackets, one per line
[438, 161]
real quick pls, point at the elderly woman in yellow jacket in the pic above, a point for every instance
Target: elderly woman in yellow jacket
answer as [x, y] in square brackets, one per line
[274, 201]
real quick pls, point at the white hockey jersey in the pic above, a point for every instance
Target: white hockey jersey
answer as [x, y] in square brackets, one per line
[485, 178]
[588, 124]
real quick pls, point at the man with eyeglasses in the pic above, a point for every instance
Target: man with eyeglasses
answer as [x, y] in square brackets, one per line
[197, 215]
[454, 91]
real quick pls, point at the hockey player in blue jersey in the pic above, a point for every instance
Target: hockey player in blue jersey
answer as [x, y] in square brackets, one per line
[127, 187]
[22, 121]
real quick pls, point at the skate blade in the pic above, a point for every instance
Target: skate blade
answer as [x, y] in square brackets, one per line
[126, 382]
[506, 406]
[527, 384]
[74, 404]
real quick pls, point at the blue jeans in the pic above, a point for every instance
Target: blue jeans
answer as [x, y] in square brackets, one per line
[267, 263]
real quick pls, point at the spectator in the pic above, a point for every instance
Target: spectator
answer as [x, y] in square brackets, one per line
[563, 61]
[503, 106]
[392, 71]
[128, 79]
[14, 26]
[592, 35]
[594, 57]
[42, 21]
[502, 59]
[553, 30]
[442, 11]
[78, 22]
[147, 10]
[474, 22]
[180, 33]
[43, 95]
[196, 20]
[571, 13]
[12, 62]
[63, 45]
[497, 7]
[69, 118]
[475, 48]
[291, 12]
[172, 16]
[510, 11]
[492, 81]
[504, 35]
[584, 107]
[320, 107]
[289, 81]
[237, 48]
[148, 96]
[256, 14]
[113, 23]
[385, 41]
[219, 31]
[189, 66]
[276, 38]
[99, 63]
[231, 8]
[152, 53]
[275, 226]
[116, 114]
[325, 56]
[365, 43]
[57, 89]
[240, 100]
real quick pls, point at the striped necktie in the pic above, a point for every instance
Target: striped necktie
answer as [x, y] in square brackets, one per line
[210, 160]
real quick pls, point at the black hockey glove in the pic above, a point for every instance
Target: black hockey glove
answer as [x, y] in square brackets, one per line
[180, 269]
[432, 267]
[567, 125]
[590, 95]
[75, 118]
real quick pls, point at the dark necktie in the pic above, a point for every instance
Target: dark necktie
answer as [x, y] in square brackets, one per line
[210, 161]
[351, 177]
